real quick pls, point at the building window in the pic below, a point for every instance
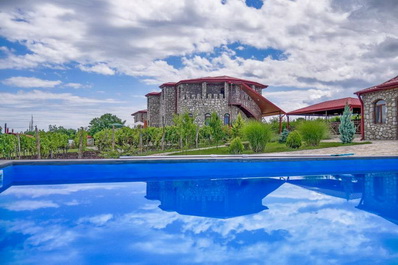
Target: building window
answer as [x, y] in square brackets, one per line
[380, 111]
[226, 119]
[207, 118]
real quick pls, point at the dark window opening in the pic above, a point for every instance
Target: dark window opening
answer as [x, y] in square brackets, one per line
[380, 111]
[207, 118]
[226, 119]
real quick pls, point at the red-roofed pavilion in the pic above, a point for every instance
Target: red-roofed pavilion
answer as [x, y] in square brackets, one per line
[329, 108]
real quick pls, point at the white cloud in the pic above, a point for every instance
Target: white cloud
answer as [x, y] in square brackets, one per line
[28, 205]
[66, 109]
[29, 82]
[331, 47]
[100, 68]
[76, 85]
[325, 39]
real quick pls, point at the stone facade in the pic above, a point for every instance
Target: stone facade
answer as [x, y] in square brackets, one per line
[380, 195]
[140, 116]
[201, 98]
[380, 131]
[153, 101]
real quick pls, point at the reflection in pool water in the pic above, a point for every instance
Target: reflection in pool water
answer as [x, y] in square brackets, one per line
[341, 219]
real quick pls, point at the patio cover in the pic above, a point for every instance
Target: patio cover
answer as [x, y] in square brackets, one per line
[329, 108]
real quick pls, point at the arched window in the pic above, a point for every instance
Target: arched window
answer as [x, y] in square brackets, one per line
[380, 111]
[226, 119]
[207, 118]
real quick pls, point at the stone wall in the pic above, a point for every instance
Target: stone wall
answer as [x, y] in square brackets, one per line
[198, 100]
[140, 116]
[385, 131]
[381, 192]
[238, 96]
[167, 106]
[153, 110]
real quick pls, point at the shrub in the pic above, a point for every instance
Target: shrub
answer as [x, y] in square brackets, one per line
[258, 134]
[283, 136]
[293, 140]
[237, 126]
[236, 146]
[103, 140]
[312, 132]
[346, 127]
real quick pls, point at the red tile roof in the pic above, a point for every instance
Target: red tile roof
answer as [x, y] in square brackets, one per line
[216, 79]
[168, 84]
[392, 83]
[153, 94]
[140, 111]
[267, 107]
[327, 105]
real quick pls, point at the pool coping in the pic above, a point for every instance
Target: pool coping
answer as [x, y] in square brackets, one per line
[173, 159]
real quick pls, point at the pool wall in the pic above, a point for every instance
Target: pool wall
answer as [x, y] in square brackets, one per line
[80, 171]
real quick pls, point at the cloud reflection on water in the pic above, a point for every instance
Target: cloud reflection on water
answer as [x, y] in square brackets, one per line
[114, 223]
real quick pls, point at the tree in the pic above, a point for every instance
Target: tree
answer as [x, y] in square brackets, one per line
[237, 126]
[346, 127]
[186, 129]
[216, 128]
[81, 141]
[106, 121]
[59, 129]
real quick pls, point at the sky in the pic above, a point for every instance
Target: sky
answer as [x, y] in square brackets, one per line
[67, 62]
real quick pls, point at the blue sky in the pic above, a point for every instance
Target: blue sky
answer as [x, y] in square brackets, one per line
[66, 62]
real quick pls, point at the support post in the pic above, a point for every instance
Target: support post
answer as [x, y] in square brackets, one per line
[38, 143]
[19, 145]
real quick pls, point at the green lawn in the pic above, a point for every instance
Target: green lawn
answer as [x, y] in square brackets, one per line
[273, 147]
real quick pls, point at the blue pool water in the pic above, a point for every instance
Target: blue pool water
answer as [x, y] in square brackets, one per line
[342, 211]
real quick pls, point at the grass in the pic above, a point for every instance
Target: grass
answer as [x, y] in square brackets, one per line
[273, 147]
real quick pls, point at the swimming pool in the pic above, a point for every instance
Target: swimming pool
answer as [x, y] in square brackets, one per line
[211, 211]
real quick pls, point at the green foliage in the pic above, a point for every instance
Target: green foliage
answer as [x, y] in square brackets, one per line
[294, 140]
[127, 139]
[171, 135]
[346, 127]
[69, 132]
[226, 133]
[205, 135]
[216, 128]
[312, 132]
[237, 126]
[28, 144]
[103, 140]
[81, 141]
[151, 137]
[186, 129]
[334, 119]
[283, 136]
[106, 121]
[236, 146]
[8, 145]
[258, 134]
[52, 142]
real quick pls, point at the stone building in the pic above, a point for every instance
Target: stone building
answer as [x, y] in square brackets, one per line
[212, 198]
[140, 118]
[380, 110]
[227, 96]
[380, 195]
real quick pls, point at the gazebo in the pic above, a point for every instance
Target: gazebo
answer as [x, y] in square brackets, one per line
[330, 108]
